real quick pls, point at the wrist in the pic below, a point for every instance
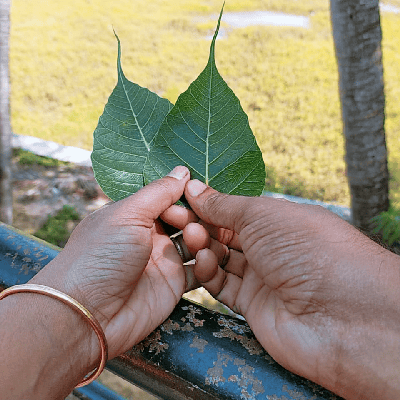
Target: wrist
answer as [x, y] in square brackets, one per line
[369, 364]
[90, 341]
[368, 351]
[56, 275]
[56, 347]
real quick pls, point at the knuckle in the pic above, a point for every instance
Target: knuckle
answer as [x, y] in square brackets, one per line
[164, 188]
[225, 236]
[214, 202]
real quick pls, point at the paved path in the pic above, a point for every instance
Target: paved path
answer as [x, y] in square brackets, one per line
[53, 150]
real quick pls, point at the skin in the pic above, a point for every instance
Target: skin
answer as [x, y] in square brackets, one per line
[121, 266]
[320, 297]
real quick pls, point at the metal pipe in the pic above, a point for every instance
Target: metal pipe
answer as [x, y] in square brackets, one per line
[96, 391]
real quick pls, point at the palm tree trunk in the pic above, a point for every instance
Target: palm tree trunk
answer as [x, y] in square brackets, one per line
[6, 208]
[357, 36]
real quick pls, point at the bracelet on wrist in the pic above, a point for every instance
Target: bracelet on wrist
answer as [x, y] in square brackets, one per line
[72, 303]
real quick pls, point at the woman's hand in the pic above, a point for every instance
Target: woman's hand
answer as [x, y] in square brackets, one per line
[118, 263]
[321, 298]
[121, 265]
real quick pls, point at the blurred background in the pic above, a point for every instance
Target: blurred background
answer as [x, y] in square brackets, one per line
[63, 68]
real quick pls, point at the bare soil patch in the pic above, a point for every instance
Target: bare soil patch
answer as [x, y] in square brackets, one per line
[40, 191]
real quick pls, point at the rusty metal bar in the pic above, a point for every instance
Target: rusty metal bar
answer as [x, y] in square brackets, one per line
[195, 354]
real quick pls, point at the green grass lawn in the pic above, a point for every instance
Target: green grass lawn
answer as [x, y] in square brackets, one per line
[63, 68]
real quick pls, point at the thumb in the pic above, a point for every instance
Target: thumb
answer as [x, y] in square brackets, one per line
[156, 197]
[219, 209]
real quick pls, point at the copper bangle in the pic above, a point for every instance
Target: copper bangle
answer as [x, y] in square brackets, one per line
[69, 301]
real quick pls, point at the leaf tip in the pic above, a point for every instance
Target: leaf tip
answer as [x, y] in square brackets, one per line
[115, 34]
[119, 68]
[219, 23]
[212, 47]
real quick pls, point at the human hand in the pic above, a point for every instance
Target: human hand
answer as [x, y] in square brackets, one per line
[321, 297]
[121, 265]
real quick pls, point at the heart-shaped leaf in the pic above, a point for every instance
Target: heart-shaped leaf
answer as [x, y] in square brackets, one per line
[124, 136]
[208, 131]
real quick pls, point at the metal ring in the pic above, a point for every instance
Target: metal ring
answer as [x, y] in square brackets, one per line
[181, 248]
[177, 240]
[225, 259]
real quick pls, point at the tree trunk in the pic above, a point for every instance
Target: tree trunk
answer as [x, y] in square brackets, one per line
[357, 36]
[6, 207]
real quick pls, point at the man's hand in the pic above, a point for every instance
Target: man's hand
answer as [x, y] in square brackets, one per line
[322, 299]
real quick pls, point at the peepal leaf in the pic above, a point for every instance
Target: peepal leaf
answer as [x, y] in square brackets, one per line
[124, 136]
[208, 131]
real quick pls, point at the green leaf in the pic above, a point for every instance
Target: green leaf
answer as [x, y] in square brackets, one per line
[208, 131]
[124, 135]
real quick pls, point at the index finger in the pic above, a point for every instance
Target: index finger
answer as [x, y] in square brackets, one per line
[147, 204]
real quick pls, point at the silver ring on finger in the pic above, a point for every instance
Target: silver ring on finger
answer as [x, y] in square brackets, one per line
[225, 259]
[181, 248]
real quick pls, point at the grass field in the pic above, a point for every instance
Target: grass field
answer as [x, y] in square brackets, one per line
[63, 68]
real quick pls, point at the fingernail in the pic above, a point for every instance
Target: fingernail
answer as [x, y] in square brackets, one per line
[196, 187]
[178, 172]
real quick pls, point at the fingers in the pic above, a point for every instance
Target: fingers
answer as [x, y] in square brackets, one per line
[222, 235]
[222, 210]
[178, 216]
[180, 246]
[206, 268]
[194, 238]
[152, 200]
[236, 264]
[221, 251]
[222, 285]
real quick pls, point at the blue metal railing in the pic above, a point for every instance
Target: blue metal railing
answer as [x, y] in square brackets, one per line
[195, 354]
[96, 391]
